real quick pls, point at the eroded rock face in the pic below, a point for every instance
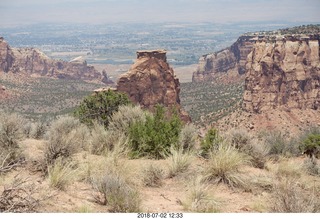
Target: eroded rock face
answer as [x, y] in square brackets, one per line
[6, 56]
[283, 72]
[229, 60]
[33, 61]
[151, 81]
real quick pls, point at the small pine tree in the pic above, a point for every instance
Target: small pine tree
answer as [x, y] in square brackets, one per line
[210, 142]
[311, 145]
[156, 135]
[100, 107]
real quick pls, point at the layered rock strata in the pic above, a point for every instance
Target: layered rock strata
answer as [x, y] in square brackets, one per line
[32, 61]
[229, 60]
[151, 81]
[283, 72]
[6, 56]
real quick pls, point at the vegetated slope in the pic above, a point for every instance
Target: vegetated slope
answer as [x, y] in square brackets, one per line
[109, 181]
[206, 102]
[36, 97]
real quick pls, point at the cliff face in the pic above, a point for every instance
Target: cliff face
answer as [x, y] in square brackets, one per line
[33, 61]
[283, 72]
[151, 81]
[6, 56]
[229, 60]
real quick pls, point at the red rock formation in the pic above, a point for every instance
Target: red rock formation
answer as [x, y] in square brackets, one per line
[6, 56]
[230, 60]
[33, 61]
[151, 81]
[283, 72]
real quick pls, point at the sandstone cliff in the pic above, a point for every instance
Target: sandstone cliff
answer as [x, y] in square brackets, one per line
[231, 60]
[151, 81]
[32, 61]
[6, 56]
[283, 72]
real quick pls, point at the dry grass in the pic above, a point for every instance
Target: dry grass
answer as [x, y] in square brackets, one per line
[65, 137]
[259, 205]
[107, 141]
[113, 190]
[289, 169]
[311, 166]
[224, 166]
[84, 209]
[152, 176]
[10, 134]
[179, 161]
[125, 116]
[62, 174]
[199, 199]
[188, 137]
[244, 142]
[261, 182]
[289, 197]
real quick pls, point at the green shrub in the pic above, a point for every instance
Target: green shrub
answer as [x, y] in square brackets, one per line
[311, 145]
[100, 107]
[154, 137]
[210, 142]
[112, 190]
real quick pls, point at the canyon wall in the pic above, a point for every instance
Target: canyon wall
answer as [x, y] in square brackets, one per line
[283, 72]
[230, 60]
[32, 61]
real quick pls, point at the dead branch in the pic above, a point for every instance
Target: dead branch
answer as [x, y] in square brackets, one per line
[18, 197]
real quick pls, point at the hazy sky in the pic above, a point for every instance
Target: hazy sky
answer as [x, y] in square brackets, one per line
[106, 11]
